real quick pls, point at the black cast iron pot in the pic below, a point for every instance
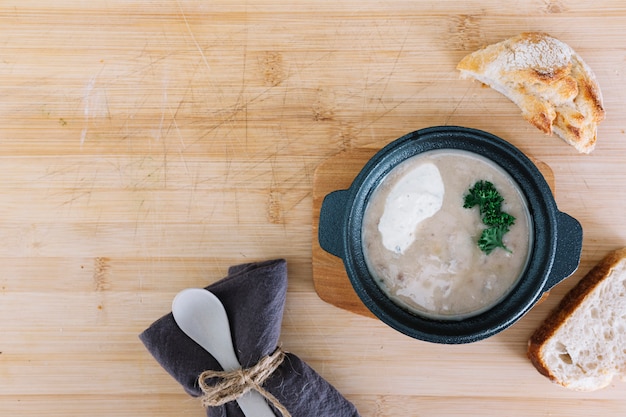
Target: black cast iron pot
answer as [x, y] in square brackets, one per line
[555, 251]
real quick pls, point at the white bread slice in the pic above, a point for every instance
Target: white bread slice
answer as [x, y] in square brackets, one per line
[582, 343]
[556, 91]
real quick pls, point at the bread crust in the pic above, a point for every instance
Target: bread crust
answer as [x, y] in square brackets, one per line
[568, 305]
[556, 91]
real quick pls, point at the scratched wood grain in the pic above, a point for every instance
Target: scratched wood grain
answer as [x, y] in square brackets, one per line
[147, 146]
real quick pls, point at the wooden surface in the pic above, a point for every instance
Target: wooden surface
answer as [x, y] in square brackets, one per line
[330, 279]
[147, 146]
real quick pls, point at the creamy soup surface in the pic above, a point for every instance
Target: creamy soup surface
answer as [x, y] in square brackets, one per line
[420, 243]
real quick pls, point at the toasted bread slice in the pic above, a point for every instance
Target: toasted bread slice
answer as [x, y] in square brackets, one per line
[549, 82]
[582, 343]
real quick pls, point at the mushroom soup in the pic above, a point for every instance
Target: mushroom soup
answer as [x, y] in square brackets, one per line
[421, 244]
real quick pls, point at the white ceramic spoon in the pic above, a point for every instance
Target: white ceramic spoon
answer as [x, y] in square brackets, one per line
[201, 315]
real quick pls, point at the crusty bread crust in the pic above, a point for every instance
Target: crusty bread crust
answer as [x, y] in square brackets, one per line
[556, 91]
[568, 305]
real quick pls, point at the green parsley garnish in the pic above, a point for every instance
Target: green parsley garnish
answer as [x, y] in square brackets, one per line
[489, 201]
[491, 238]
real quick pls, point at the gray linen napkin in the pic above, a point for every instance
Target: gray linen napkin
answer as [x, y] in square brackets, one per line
[253, 295]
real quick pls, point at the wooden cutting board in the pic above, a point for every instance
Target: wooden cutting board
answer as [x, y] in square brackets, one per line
[146, 146]
[329, 276]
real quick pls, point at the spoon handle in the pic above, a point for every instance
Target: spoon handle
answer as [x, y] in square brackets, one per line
[202, 317]
[253, 404]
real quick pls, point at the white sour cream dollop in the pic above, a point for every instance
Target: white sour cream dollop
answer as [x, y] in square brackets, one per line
[417, 196]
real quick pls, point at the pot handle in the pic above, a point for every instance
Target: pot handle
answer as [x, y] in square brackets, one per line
[568, 249]
[331, 224]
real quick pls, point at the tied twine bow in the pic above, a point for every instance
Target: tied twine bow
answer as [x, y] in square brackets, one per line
[234, 384]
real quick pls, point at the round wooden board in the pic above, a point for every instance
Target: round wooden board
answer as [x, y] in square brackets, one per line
[329, 276]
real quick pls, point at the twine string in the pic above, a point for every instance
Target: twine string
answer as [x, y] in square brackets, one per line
[233, 384]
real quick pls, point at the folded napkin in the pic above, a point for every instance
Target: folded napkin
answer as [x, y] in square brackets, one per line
[254, 296]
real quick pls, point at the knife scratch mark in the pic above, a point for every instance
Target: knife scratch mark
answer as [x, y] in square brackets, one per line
[159, 132]
[193, 37]
[397, 60]
[458, 104]
[243, 87]
[86, 98]
[94, 101]
[394, 107]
